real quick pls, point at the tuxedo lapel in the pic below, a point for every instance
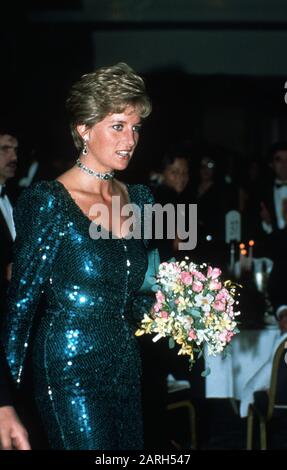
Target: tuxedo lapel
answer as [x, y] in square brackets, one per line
[270, 204]
[6, 248]
[5, 234]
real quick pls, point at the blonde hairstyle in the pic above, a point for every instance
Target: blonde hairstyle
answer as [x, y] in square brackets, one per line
[108, 90]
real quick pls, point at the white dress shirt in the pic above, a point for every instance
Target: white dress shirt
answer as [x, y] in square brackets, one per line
[279, 194]
[27, 180]
[7, 211]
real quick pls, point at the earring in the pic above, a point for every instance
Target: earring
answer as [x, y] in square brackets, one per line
[85, 150]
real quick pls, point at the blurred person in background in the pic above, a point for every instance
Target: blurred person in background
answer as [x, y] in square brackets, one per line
[173, 189]
[8, 166]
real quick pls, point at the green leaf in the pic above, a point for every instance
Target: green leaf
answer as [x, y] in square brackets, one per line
[226, 351]
[206, 372]
[171, 343]
[155, 288]
[195, 313]
[191, 362]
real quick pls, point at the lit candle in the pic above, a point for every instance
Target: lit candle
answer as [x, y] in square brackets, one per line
[244, 253]
[242, 259]
[250, 253]
[241, 247]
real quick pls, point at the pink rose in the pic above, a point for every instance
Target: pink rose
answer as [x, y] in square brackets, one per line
[186, 278]
[215, 285]
[226, 336]
[230, 312]
[199, 275]
[222, 295]
[229, 336]
[157, 307]
[219, 306]
[164, 314]
[213, 272]
[222, 336]
[197, 286]
[160, 297]
[192, 334]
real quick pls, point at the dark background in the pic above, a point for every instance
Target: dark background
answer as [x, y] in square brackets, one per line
[227, 92]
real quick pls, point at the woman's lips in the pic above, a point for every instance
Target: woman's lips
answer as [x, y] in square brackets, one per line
[123, 154]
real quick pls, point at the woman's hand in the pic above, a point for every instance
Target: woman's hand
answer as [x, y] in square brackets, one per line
[13, 435]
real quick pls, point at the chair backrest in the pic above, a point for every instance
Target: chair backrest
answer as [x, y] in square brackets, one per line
[278, 386]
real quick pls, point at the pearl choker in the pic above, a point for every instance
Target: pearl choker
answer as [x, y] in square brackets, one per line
[101, 176]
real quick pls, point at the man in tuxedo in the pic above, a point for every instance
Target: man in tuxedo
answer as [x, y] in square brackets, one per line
[274, 223]
[10, 424]
[8, 165]
[264, 212]
[274, 199]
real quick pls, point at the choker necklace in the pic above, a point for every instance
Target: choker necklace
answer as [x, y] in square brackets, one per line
[101, 176]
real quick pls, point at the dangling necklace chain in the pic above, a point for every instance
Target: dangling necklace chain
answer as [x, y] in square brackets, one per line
[101, 176]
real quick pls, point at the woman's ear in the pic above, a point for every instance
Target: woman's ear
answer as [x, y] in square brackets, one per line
[83, 131]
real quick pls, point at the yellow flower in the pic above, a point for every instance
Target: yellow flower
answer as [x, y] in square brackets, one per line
[186, 350]
[140, 332]
[183, 303]
[178, 289]
[225, 323]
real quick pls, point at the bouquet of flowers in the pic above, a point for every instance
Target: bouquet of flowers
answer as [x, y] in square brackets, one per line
[193, 308]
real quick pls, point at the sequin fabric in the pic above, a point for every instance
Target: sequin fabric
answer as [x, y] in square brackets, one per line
[85, 355]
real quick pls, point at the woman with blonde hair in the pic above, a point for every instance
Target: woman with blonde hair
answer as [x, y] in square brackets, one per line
[82, 260]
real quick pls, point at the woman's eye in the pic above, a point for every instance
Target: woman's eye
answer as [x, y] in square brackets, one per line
[118, 127]
[137, 129]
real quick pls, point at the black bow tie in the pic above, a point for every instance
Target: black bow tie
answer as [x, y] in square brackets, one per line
[280, 184]
[3, 191]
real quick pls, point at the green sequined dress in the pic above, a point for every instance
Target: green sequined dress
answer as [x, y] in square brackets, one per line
[85, 356]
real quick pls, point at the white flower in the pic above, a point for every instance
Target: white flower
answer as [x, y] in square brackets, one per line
[200, 336]
[212, 327]
[203, 301]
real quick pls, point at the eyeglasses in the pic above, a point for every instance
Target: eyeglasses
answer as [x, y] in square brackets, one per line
[8, 148]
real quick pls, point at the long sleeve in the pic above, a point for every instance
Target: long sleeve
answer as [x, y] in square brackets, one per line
[39, 230]
[6, 384]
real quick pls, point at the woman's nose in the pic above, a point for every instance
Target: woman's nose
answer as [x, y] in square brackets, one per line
[131, 138]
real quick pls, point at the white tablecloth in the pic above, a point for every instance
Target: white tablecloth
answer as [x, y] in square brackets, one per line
[246, 369]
